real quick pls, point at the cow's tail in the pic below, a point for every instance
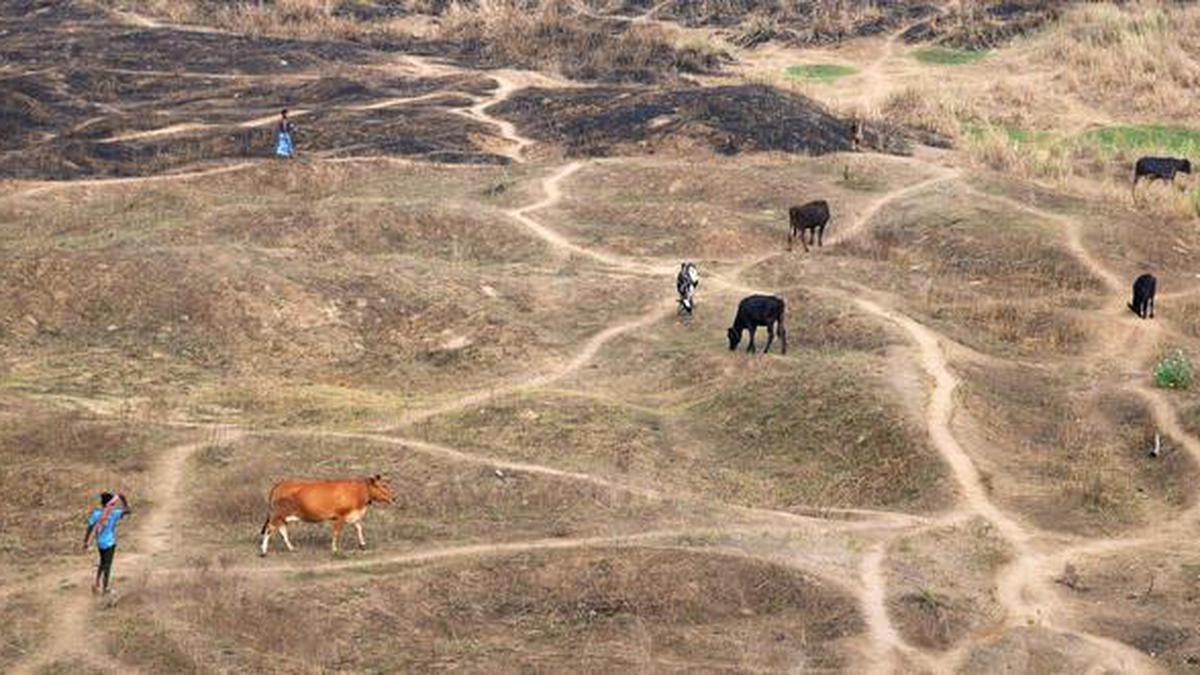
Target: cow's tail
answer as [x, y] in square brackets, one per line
[782, 329]
[270, 508]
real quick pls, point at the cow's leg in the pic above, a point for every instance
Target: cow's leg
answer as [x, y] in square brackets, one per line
[273, 523]
[337, 532]
[770, 337]
[753, 330]
[791, 237]
[782, 338]
[266, 538]
[286, 542]
[821, 236]
[1152, 307]
[802, 240]
[362, 543]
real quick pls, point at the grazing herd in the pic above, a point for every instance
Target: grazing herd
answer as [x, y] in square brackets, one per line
[346, 501]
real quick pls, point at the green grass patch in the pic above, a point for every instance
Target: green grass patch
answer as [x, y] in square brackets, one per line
[944, 56]
[1178, 141]
[1174, 140]
[1031, 137]
[819, 72]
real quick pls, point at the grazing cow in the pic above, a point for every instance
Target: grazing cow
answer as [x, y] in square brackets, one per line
[1159, 168]
[754, 311]
[1143, 296]
[813, 217]
[315, 501]
[686, 283]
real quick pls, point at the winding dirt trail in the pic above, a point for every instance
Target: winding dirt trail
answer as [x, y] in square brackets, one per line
[71, 637]
[1021, 586]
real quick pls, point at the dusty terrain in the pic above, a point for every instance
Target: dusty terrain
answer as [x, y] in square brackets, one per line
[465, 281]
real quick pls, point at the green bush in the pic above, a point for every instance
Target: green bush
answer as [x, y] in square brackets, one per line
[1174, 371]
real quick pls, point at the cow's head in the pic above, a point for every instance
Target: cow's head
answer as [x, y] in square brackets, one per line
[379, 489]
[735, 336]
[1185, 166]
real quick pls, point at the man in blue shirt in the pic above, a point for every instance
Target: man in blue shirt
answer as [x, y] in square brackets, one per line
[103, 523]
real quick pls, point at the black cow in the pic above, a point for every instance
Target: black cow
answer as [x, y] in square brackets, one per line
[1143, 296]
[1159, 168]
[811, 216]
[754, 311]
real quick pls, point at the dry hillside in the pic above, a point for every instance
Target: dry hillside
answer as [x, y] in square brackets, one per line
[465, 281]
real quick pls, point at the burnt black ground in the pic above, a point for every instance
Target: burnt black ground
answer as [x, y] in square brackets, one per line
[77, 87]
[602, 121]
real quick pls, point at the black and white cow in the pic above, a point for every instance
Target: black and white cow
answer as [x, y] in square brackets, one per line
[686, 283]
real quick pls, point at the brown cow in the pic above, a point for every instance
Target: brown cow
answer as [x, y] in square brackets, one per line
[315, 501]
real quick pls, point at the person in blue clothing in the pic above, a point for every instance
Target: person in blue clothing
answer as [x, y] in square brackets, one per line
[103, 523]
[285, 146]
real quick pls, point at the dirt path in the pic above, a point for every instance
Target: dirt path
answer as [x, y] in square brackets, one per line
[864, 218]
[1021, 586]
[36, 188]
[71, 636]
[884, 640]
[641, 539]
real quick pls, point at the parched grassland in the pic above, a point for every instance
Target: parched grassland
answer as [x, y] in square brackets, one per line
[940, 582]
[53, 460]
[1068, 458]
[804, 431]
[640, 608]
[1145, 598]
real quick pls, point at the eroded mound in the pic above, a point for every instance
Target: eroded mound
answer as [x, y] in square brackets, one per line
[603, 610]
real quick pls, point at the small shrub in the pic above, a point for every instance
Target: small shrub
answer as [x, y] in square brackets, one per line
[1174, 371]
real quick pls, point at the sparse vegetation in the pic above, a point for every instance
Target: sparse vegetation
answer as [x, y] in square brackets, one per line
[436, 291]
[506, 32]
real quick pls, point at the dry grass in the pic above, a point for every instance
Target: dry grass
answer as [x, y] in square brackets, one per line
[551, 36]
[1147, 599]
[939, 583]
[601, 610]
[1066, 458]
[306, 19]
[56, 464]
[803, 431]
[1133, 59]
[24, 625]
[330, 293]
[440, 501]
[995, 280]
